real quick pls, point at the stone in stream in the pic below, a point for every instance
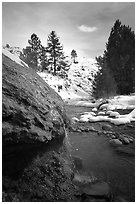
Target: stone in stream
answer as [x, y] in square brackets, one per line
[131, 140]
[124, 139]
[94, 109]
[113, 137]
[74, 120]
[99, 188]
[77, 162]
[92, 129]
[106, 127]
[115, 142]
[101, 113]
[81, 179]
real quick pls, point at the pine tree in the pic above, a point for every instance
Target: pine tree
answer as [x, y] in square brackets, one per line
[120, 57]
[31, 54]
[104, 84]
[29, 57]
[74, 55]
[55, 53]
[43, 59]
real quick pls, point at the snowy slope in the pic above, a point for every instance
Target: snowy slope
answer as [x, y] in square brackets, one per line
[82, 74]
[68, 89]
[78, 85]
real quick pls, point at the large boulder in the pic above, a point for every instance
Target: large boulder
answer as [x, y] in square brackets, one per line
[31, 110]
[36, 165]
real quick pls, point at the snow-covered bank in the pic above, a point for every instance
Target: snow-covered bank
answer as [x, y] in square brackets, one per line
[120, 102]
[108, 111]
[117, 102]
[108, 116]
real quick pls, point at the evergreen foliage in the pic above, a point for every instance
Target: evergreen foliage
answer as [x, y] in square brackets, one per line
[117, 66]
[74, 55]
[43, 59]
[31, 53]
[104, 84]
[56, 58]
[120, 57]
[50, 58]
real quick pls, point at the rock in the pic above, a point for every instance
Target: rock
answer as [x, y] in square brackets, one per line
[74, 119]
[89, 113]
[129, 125]
[81, 179]
[78, 130]
[94, 109]
[87, 129]
[92, 129]
[77, 162]
[109, 112]
[120, 121]
[101, 113]
[107, 127]
[103, 104]
[131, 140]
[114, 114]
[124, 140]
[113, 137]
[115, 142]
[35, 158]
[97, 189]
[32, 111]
[82, 128]
[83, 120]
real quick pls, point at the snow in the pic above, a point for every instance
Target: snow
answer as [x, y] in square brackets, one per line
[82, 74]
[67, 91]
[120, 102]
[94, 109]
[118, 120]
[14, 57]
[78, 85]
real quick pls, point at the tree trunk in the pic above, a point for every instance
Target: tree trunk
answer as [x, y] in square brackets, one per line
[54, 71]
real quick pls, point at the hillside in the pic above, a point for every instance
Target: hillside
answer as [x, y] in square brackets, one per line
[78, 85]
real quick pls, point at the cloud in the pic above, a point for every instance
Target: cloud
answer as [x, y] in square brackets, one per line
[87, 29]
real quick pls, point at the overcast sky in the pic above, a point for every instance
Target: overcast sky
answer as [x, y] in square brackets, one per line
[83, 26]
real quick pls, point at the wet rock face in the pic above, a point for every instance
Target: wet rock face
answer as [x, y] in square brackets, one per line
[36, 165]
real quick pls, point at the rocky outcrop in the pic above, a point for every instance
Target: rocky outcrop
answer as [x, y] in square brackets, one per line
[36, 164]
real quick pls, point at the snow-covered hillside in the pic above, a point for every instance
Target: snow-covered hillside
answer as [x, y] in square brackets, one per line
[78, 85]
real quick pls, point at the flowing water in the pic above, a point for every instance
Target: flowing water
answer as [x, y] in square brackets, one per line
[114, 165]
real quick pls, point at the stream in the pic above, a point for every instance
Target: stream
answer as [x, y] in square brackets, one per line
[116, 166]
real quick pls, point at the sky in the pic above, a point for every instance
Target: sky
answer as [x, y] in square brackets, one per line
[83, 26]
